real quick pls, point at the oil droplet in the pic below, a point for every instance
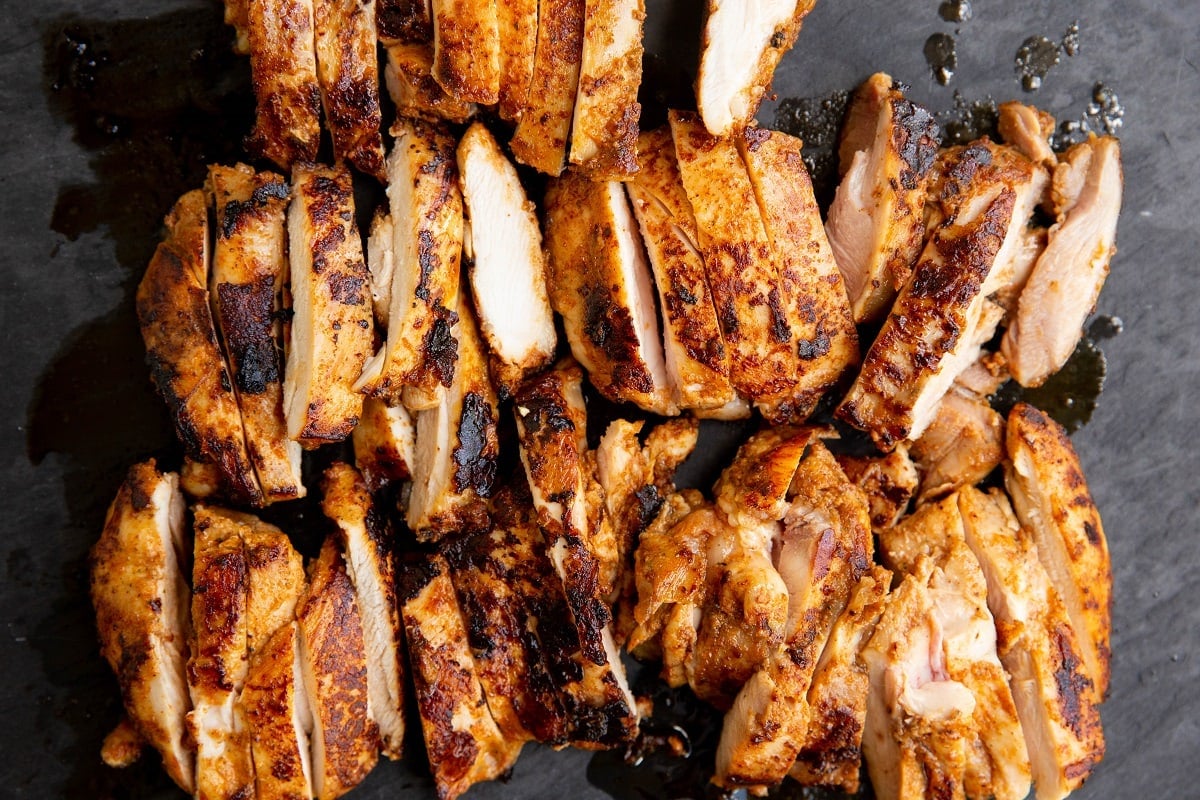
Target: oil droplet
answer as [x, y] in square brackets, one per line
[1070, 40]
[955, 10]
[1034, 59]
[1104, 115]
[817, 121]
[1069, 395]
[1105, 327]
[969, 120]
[941, 57]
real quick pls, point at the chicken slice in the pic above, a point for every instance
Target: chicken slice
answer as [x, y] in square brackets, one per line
[815, 301]
[403, 22]
[369, 544]
[280, 718]
[384, 443]
[738, 260]
[237, 16]
[875, 222]
[185, 361]
[600, 283]
[381, 264]
[517, 22]
[1028, 129]
[283, 64]
[604, 131]
[754, 487]
[122, 745]
[1039, 648]
[466, 49]
[1050, 495]
[427, 225]
[249, 269]
[331, 309]
[541, 137]
[1065, 282]
[333, 660]
[141, 599]
[961, 446]
[409, 79]
[888, 481]
[462, 739]
[508, 269]
[742, 43]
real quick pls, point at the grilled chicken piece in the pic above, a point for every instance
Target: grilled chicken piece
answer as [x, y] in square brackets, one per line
[1039, 648]
[742, 43]
[384, 443]
[888, 481]
[1028, 129]
[249, 269]
[381, 264]
[454, 462]
[961, 446]
[754, 487]
[403, 22]
[122, 746]
[466, 49]
[369, 543]
[409, 79]
[333, 660]
[815, 301]
[331, 308]
[738, 260]
[875, 223]
[830, 750]
[517, 23]
[348, 74]
[540, 139]
[427, 225]
[279, 716]
[984, 199]
[237, 16]
[1031, 247]
[600, 283]
[141, 601]
[185, 361]
[824, 548]
[464, 744]
[1066, 280]
[283, 63]
[1050, 495]
[604, 131]
[508, 270]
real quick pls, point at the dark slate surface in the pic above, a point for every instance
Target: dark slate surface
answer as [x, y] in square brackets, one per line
[88, 169]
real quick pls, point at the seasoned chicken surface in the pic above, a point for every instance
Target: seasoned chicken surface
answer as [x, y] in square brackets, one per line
[508, 268]
[1028, 129]
[141, 599]
[283, 64]
[279, 716]
[331, 308]
[755, 486]
[1067, 278]
[122, 745]
[875, 222]
[385, 442]
[368, 542]
[237, 16]
[1050, 495]
[600, 283]
[249, 269]
[466, 49]
[517, 23]
[403, 22]
[409, 78]
[185, 360]
[961, 446]
[541, 137]
[348, 74]
[888, 481]
[742, 43]
[604, 130]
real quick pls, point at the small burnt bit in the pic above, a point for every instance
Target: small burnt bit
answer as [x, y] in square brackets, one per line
[346, 288]
[475, 456]
[439, 347]
[915, 137]
[403, 21]
[1074, 686]
[247, 317]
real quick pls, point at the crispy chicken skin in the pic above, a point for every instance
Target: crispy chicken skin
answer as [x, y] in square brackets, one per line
[141, 599]
[604, 131]
[331, 308]
[1067, 278]
[508, 268]
[249, 269]
[1050, 495]
[385, 442]
[742, 43]
[409, 79]
[279, 716]
[403, 22]
[185, 360]
[369, 543]
[738, 260]
[517, 23]
[815, 301]
[875, 223]
[348, 74]
[888, 481]
[541, 137]
[283, 68]
[466, 49]
[599, 282]
[1028, 129]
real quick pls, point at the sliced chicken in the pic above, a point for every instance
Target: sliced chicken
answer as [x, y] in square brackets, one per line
[604, 131]
[541, 137]
[333, 660]
[122, 746]
[141, 599]
[409, 78]
[1028, 129]
[888, 481]
[427, 228]
[237, 16]
[961, 446]
[369, 545]
[755, 486]
[185, 362]
[381, 264]
[249, 269]
[738, 260]
[517, 22]
[1030, 249]
[331, 308]
[403, 22]
[1066, 280]
[875, 222]
[283, 64]
[735, 409]
[385, 442]
[508, 270]
[1039, 648]
[279, 716]
[600, 283]
[462, 739]
[466, 49]
[742, 43]
[1045, 480]
[984, 198]
[815, 301]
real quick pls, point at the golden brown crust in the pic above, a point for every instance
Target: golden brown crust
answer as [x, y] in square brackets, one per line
[516, 21]
[403, 22]
[272, 701]
[888, 482]
[466, 49]
[283, 64]
[540, 139]
[413, 90]
[122, 746]
[384, 443]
